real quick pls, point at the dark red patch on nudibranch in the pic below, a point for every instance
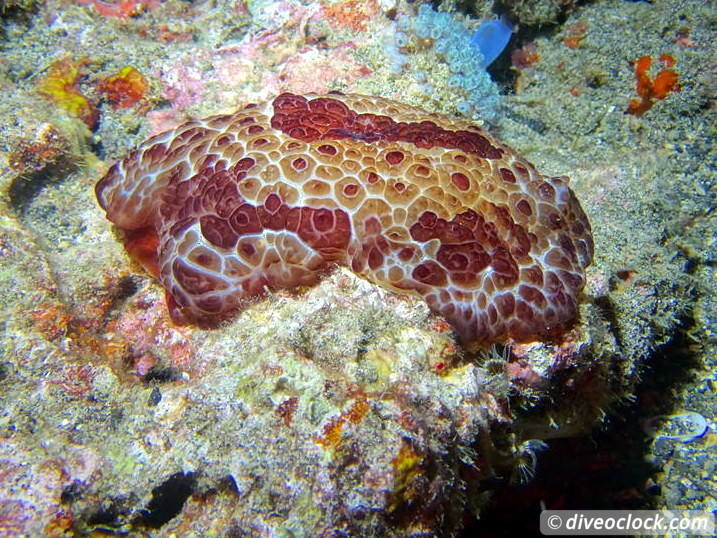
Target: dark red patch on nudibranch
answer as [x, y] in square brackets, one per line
[469, 245]
[325, 118]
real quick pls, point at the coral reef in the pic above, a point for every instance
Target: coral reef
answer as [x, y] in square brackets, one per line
[33, 154]
[352, 14]
[344, 408]
[538, 13]
[460, 50]
[415, 202]
[122, 9]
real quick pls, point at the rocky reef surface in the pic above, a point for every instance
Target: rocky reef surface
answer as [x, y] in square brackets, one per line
[342, 409]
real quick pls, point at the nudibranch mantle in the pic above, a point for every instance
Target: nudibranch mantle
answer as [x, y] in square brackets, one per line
[275, 195]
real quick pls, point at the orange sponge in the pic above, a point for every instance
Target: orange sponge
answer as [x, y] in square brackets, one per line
[125, 88]
[648, 90]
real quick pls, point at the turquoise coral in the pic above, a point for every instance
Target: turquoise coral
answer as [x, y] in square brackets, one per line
[456, 44]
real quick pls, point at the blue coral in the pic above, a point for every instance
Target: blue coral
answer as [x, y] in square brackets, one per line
[397, 59]
[463, 53]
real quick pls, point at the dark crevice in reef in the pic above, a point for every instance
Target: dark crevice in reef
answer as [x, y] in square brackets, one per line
[26, 188]
[120, 517]
[72, 492]
[606, 307]
[162, 374]
[127, 286]
[608, 469]
[167, 500]
[106, 517]
[124, 289]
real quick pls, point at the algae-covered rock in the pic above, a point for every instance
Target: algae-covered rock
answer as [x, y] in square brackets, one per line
[536, 13]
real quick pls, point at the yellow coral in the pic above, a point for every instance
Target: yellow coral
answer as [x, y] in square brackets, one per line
[407, 466]
[61, 87]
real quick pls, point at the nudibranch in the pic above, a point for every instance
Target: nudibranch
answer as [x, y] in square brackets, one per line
[277, 194]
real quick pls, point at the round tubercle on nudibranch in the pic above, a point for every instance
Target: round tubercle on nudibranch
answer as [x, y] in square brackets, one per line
[276, 194]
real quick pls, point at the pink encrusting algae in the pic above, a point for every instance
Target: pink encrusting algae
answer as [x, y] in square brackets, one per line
[275, 195]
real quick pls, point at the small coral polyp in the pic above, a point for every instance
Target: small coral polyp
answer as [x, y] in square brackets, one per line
[277, 194]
